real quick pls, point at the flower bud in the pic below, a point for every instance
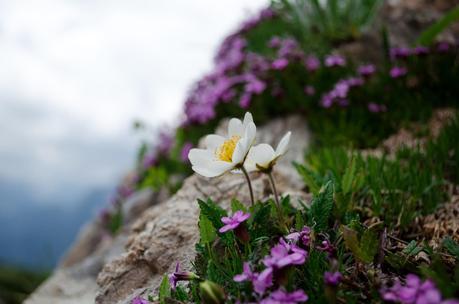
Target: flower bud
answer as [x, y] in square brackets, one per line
[211, 293]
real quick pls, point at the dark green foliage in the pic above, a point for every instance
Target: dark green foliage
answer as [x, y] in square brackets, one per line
[17, 283]
[321, 208]
[428, 36]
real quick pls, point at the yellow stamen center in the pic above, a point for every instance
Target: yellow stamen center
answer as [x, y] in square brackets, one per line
[225, 151]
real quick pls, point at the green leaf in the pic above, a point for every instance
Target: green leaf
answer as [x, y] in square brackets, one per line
[321, 207]
[364, 249]
[349, 176]
[428, 36]
[451, 246]
[308, 178]
[237, 205]
[412, 249]
[164, 290]
[368, 245]
[206, 230]
[261, 223]
[213, 212]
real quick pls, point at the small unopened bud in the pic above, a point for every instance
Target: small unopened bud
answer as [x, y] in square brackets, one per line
[211, 293]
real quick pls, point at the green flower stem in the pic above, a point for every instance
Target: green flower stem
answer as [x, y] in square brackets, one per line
[276, 198]
[249, 184]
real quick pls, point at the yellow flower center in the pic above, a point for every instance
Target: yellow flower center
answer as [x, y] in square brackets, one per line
[225, 151]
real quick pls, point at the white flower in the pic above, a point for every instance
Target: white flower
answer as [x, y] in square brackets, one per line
[262, 157]
[225, 154]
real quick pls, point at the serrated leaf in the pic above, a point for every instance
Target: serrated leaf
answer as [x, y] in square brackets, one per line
[237, 205]
[368, 245]
[206, 230]
[261, 221]
[213, 212]
[321, 207]
[451, 246]
[308, 178]
[164, 290]
[349, 176]
[412, 249]
[351, 240]
[299, 221]
[364, 249]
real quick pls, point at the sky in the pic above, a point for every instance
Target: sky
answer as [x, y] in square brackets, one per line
[74, 75]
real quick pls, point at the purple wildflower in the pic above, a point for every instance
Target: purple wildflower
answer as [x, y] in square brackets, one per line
[421, 50]
[332, 278]
[366, 70]
[234, 221]
[312, 63]
[400, 53]
[280, 296]
[304, 236]
[246, 275]
[260, 281]
[185, 150]
[334, 61]
[326, 246]
[139, 300]
[279, 64]
[309, 90]
[275, 42]
[263, 280]
[396, 72]
[254, 85]
[245, 100]
[150, 160]
[166, 142]
[376, 108]
[284, 254]
[414, 291]
[443, 47]
[180, 276]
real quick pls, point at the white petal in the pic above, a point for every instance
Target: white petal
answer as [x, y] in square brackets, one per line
[261, 155]
[283, 144]
[235, 128]
[247, 118]
[200, 157]
[214, 141]
[215, 168]
[240, 151]
[250, 133]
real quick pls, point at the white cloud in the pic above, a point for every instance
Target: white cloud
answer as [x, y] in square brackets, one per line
[75, 74]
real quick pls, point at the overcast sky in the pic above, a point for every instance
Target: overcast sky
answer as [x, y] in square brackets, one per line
[75, 74]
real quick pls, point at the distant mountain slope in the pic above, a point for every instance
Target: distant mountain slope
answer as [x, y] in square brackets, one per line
[35, 234]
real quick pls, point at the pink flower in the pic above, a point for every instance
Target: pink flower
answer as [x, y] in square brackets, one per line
[396, 72]
[284, 254]
[304, 236]
[185, 150]
[367, 70]
[334, 61]
[415, 292]
[280, 296]
[312, 63]
[180, 276]
[139, 300]
[279, 64]
[234, 221]
[260, 281]
[332, 278]
[309, 90]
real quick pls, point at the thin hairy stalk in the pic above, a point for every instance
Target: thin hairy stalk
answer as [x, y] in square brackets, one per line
[276, 198]
[249, 184]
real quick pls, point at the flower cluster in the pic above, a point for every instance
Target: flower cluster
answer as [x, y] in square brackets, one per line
[283, 255]
[340, 92]
[415, 291]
